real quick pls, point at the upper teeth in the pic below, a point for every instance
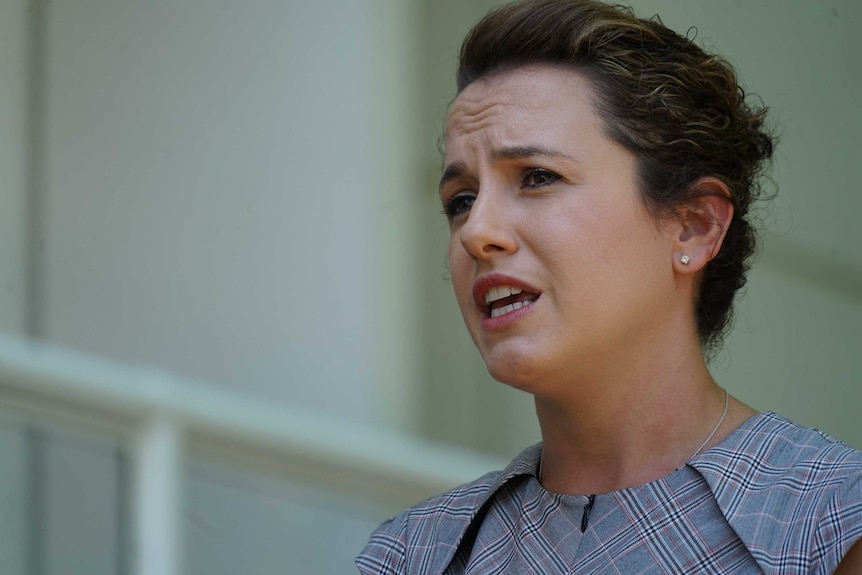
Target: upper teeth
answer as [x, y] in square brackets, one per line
[500, 292]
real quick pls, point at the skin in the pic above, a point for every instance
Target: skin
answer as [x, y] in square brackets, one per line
[852, 562]
[536, 190]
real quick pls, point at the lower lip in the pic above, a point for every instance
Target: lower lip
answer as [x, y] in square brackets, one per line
[492, 323]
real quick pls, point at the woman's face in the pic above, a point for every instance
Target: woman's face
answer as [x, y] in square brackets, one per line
[556, 263]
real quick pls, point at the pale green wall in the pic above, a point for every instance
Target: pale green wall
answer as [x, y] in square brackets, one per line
[394, 152]
[14, 496]
[13, 164]
[223, 195]
[798, 335]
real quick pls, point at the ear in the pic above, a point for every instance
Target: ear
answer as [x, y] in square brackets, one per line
[701, 225]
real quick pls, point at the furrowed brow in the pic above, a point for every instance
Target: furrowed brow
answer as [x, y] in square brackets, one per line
[456, 170]
[518, 152]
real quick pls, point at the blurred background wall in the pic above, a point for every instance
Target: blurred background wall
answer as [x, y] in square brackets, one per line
[217, 188]
[244, 193]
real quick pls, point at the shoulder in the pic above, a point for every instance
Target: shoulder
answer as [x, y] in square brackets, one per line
[432, 528]
[424, 538]
[793, 494]
[770, 451]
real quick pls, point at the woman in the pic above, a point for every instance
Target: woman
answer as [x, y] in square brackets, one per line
[598, 175]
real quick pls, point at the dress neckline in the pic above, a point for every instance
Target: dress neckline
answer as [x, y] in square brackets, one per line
[533, 456]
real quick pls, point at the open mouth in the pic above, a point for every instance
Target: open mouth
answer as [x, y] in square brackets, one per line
[501, 300]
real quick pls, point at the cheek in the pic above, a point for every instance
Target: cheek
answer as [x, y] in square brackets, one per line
[460, 271]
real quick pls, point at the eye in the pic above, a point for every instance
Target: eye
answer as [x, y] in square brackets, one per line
[538, 177]
[458, 204]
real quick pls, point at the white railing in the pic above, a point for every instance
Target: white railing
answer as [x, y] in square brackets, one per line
[164, 418]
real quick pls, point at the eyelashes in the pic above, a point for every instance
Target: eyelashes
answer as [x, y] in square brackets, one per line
[458, 204]
[538, 178]
[532, 178]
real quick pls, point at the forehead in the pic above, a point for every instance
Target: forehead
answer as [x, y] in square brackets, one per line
[521, 103]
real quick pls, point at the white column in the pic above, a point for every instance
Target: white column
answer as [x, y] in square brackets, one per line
[156, 496]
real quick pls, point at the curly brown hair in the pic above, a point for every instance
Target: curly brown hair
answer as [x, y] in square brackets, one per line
[680, 109]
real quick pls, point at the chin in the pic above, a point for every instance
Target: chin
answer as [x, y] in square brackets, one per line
[515, 370]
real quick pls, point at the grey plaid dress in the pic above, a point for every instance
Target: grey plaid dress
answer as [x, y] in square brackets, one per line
[771, 498]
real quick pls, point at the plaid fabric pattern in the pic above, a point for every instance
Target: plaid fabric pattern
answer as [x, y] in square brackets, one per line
[672, 525]
[771, 498]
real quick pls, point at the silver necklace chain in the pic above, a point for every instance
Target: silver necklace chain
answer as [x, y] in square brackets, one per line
[693, 455]
[714, 429]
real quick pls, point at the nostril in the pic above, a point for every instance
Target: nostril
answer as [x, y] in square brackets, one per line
[488, 248]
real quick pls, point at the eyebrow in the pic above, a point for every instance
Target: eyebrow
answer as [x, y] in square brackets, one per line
[457, 169]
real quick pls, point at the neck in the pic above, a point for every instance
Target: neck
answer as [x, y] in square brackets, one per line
[612, 430]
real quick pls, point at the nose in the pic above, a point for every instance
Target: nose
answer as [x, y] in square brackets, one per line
[489, 230]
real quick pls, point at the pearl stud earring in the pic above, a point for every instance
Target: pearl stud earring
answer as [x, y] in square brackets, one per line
[684, 259]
